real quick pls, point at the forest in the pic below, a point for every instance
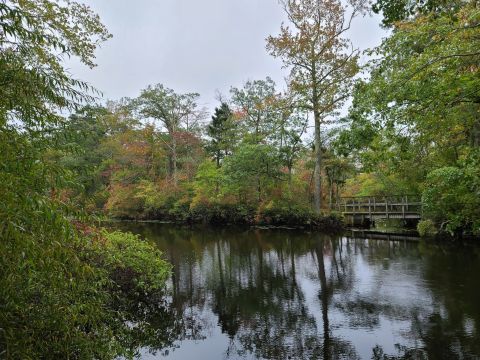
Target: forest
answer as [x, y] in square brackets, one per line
[405, 122]
[285, 156]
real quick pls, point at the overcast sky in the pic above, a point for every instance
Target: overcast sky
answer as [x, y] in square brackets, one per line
[192, 46]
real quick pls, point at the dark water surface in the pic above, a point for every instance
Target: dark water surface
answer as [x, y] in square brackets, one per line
[288, 294]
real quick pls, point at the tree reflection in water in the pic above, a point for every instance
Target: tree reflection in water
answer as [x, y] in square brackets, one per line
[295, 295]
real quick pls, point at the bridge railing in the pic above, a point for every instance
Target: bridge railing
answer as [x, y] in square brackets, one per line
[396, 205]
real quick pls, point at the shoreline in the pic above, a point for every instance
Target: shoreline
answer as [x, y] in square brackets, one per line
[380, 234]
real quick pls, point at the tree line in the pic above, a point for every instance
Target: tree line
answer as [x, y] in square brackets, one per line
[255, 157]
[412, 127]
[157, 156]
[69, 289]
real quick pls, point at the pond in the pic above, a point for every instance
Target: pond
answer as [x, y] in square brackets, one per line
[290, 294]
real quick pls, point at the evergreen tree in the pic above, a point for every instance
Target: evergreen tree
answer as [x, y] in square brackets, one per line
[220, 131]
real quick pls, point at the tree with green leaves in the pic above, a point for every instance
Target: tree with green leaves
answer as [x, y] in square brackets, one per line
[176, 112]
[394, 11]
[256, 107]
[420, 106]
[252, 169]
[291, 126]
[59, 295]
[84, 133]
[337, 170]
[450, 198]
[322, 61]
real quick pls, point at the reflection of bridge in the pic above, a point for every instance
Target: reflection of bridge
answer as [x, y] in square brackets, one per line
[361, 208]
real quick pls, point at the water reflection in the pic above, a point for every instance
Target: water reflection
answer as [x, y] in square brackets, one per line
[288, 295]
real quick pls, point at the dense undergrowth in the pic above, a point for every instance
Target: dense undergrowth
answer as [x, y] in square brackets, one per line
[76, 298]
[237, 214]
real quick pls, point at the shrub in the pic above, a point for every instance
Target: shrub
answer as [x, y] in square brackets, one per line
[426, 228]
[451, 198]
[222, 213]
[273, 213]
[75, 298]
[180, 210]
[124, 202]
[53, 303]
[277, 213]
[132, 264]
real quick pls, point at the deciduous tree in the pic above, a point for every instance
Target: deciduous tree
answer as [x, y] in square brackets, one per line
[322, 60]
[257, 108]
[174, 111]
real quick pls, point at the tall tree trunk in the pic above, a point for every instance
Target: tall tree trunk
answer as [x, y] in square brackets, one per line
[172, 156]
[337, 194]
[290, 166]
[174, 160]
[330, 197]
[257, 129]
[259, 189]
[317, 193]
[170, 164]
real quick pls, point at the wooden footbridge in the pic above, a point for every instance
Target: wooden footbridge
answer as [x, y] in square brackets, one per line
[371, 208]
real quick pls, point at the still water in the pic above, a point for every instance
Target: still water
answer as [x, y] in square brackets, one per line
[289, 294]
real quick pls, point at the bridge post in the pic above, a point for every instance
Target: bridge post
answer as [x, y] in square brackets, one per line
[369, 210]
[386, 207]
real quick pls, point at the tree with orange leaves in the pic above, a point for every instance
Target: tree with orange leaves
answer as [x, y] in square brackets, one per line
[323, 62]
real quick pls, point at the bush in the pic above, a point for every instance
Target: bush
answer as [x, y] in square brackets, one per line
[275, 213]
[451, 198]
[222, 213]
[53, 303]
[124, 202]
[180, 210]
[77, 297]
[140, 313]
[426, 228]
[132, 264]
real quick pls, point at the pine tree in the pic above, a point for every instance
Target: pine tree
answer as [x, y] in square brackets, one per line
[221, 134]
